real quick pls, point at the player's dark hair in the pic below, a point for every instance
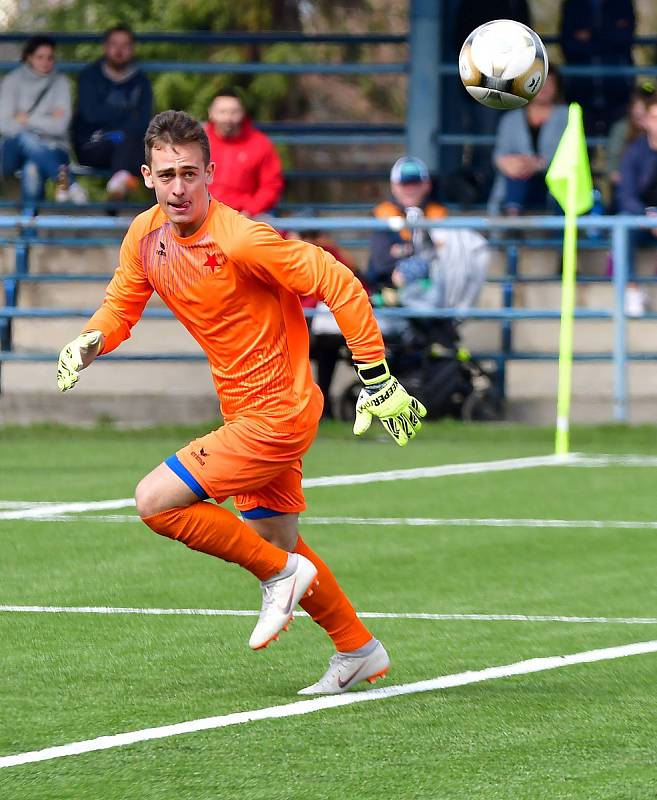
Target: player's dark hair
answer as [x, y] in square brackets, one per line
[34, 43]
[121, 28]
[172, 128]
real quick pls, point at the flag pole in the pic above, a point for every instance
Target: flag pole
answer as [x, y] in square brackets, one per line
[569, 270]
[569, 181]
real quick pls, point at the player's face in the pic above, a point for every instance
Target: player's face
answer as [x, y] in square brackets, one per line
[226, 115]
[410, 194]
[180, 180]
[119, 49]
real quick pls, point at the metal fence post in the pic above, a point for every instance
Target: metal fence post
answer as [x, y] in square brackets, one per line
[620, 260]
[507, 324]
[424, 81]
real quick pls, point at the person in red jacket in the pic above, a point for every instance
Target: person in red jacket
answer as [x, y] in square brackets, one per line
[248, 175]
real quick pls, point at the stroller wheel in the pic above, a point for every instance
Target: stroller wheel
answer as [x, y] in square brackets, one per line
[483, 406]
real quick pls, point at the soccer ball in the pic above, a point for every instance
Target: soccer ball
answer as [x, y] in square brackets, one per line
[503, 64]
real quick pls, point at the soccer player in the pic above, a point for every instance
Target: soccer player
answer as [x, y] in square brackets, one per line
[235, 285]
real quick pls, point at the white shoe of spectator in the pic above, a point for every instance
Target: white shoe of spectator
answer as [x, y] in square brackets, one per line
[78, 194]
[120, 184]
[636, 301]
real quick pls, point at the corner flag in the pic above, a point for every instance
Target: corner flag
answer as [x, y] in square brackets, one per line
[570, 167]
[570, 183]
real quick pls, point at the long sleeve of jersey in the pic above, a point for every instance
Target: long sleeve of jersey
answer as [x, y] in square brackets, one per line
[125, 298]
[305, 269]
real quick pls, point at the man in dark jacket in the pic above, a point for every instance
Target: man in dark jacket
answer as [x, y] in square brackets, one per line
[470, 165]
[115, 104]
[598, 33]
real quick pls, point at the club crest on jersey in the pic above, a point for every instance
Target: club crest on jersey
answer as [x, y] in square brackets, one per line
[214, 260]
[161, 250]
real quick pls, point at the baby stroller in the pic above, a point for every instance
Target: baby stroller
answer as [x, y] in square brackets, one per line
[432, 366]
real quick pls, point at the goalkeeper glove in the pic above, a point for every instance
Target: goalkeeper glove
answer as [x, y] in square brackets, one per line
[77, 355]
[384, 397]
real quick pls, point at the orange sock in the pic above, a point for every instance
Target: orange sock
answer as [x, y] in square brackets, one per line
[330, 608]
[214, 530]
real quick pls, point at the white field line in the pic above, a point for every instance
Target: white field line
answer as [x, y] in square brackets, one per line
[240, 612]
[51, 510]
[303, 707]
[485, 522]
[14, 504]
[606, 460]
[441, 471]
[426, 522]
[38, 510]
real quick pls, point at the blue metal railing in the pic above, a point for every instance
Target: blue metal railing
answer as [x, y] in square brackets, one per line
[221, 37]
[27, 232]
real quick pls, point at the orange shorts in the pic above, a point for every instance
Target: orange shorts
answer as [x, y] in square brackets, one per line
[249, 461]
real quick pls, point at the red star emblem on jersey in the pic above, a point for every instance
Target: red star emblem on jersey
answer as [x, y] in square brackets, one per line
[211, 261]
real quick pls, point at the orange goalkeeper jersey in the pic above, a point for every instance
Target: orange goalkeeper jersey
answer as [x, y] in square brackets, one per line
[235, 285]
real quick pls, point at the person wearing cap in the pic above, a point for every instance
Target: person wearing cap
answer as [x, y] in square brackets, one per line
[410, 187]
[420, 268]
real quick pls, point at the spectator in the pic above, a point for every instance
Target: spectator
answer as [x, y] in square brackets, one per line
[423, 269]
[410, 187]
[35, 113]
[466, 172]
[526, 141]
[637, 189]
[248, 175]
[115, 102]
[637, 194]
[470, 14]
[623, 132]
[598, 33]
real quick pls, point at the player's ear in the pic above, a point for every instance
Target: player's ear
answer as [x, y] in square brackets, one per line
[209, 173]
[147, 176]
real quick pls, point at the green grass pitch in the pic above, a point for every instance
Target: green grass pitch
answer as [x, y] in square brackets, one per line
[586, 731]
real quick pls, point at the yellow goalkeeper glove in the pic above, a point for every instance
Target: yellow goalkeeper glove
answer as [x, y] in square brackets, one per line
[76, 356]
[384, 397]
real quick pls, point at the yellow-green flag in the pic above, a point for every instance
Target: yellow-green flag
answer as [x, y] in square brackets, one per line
[569, 181]
[571, 164]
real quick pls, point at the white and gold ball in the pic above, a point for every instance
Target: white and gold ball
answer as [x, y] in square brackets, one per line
[503, 64]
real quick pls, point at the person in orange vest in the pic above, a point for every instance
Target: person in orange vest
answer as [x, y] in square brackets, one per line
[410, 187]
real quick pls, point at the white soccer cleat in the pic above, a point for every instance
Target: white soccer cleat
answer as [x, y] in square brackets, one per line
[346, 671]
[279, 597]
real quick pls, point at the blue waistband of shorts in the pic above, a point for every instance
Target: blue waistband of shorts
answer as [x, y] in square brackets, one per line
[260, 512]
[174, 463]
